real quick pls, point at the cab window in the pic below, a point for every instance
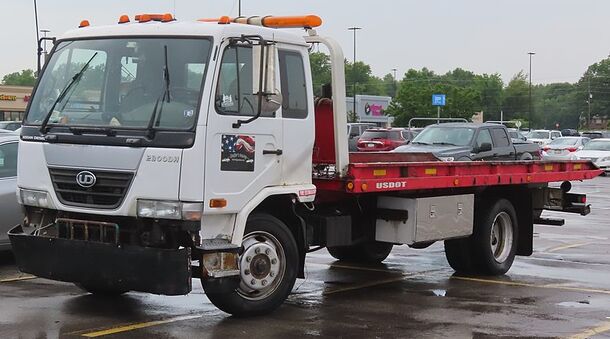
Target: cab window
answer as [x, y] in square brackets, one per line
[500, 138]
[294, 87]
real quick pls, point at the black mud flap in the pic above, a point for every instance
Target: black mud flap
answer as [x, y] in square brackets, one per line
[101, 265]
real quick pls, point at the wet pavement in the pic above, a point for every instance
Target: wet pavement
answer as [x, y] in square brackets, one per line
[563, 291]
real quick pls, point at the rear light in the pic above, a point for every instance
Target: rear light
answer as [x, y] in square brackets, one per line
[546, 148]
[583, 199]
[572, 149]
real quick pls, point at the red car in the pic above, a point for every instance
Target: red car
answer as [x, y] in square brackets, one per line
[382, 139]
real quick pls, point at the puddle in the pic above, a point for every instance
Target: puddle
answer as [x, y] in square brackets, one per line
[439, 293]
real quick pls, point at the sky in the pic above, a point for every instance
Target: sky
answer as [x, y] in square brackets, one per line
[484, 36]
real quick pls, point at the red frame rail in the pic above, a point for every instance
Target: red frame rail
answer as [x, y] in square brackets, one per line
[394, 173]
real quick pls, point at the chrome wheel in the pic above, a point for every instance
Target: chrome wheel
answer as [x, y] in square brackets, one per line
[262, 265]
[501, 238]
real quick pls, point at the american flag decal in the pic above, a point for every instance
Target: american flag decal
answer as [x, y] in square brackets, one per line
[237, 152]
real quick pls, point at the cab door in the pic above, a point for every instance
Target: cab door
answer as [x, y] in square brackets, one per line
[503, 148]
[240, 160]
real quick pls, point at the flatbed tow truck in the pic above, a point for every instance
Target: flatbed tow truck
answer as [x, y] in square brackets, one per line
[155, 151]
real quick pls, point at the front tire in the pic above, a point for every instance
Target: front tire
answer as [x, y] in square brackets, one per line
[268, 269]
[367, 252]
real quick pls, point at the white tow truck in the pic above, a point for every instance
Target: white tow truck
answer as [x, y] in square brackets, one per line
[155, 151]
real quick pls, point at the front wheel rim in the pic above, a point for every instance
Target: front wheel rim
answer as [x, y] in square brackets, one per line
[262, 265]
[501, 238]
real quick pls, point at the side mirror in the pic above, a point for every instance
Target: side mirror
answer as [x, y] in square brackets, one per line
[485, 147]
[264, 78]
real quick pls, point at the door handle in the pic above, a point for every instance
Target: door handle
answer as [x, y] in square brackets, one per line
[270, 151]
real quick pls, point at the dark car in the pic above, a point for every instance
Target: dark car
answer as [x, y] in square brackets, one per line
[596, 134]
[382, 139]
[469, 141]
[569, 132]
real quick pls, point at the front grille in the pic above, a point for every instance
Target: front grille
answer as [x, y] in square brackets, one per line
[108, 192]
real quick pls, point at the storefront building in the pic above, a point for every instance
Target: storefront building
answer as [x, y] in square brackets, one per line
[13, 101]
[371, 109]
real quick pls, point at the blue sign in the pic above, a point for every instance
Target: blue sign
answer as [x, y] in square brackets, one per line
[438, 99]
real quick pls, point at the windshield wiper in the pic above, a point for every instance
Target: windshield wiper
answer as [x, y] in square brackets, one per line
[154, 120]
[419, 143]
[75, 79]
[443, 143]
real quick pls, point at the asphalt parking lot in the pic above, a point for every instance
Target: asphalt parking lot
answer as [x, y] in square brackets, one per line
[563, 290]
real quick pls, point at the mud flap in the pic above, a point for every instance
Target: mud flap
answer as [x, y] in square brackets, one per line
[132, 268]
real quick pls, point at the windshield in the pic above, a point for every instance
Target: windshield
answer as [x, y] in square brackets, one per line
[458, 136]
[564, 142]
[123, 84]
[598, 145]
[539, 135]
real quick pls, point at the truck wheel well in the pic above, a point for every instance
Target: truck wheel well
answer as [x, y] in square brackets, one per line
[521, 199]
[283, 208]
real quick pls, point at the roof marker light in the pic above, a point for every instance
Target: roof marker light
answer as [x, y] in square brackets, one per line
[167, 17]
[84, 23]
[124, 19]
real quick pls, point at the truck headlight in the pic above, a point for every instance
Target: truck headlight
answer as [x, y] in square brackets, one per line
[34, 198]
[162, 209]
[447, 159]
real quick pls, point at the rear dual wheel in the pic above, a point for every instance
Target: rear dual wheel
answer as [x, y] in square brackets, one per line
[492, 247]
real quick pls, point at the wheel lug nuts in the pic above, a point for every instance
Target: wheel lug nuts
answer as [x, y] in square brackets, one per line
[271, 274]
[267, 251]
[248, 259]
[253, 282]
[247, 272]
[257, 250]
[273, 261]
[264, 282]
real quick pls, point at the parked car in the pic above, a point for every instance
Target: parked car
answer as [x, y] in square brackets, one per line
[569, 132]
[10, 125]
[596, 134]
[598, 151]
[470, 141]
[563, 148]
[354, 131]
[543, 136]
[516, 136]
[10, 211]
[382, 139]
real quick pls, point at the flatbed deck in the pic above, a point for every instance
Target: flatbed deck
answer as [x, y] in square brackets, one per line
[386, 172]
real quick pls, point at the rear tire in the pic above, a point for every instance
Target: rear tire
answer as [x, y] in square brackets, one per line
[368, 252]
[268, 269]
[492, 247]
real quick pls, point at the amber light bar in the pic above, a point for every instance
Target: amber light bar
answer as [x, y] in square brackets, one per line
[305, 21]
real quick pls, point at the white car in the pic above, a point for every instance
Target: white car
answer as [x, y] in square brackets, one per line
[598, 151]
[563, 148]
[543, 136]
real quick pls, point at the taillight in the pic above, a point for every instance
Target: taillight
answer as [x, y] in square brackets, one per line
[583, 199]
[546, 148]
[572, 149]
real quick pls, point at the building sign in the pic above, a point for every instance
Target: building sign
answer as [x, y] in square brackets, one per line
[373, 109]
[5, 97]
[370, 108]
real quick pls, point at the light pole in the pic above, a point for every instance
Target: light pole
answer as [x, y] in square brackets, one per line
[530, 104]
[238, 7]
[354, 29]
[38, 51]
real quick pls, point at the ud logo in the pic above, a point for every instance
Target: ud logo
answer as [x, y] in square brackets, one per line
[85, 179]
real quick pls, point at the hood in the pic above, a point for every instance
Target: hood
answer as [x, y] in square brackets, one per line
[438, 150]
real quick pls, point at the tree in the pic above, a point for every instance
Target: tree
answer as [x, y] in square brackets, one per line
[320, 70]
[24, 78]
[596, 82]
[516, 98]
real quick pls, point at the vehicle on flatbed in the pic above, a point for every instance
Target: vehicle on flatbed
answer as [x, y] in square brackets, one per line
[469, 141]
[156, 151]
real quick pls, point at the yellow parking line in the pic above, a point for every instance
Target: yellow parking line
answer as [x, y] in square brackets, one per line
[520, 284]
[358, 268]
[26, 277]
[131, 327]
[605, 327]
[564, 247]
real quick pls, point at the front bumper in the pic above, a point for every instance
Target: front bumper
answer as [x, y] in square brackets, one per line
[103, 265]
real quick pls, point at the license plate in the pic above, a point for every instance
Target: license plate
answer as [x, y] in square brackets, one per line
[558, 151]
[370, 145]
